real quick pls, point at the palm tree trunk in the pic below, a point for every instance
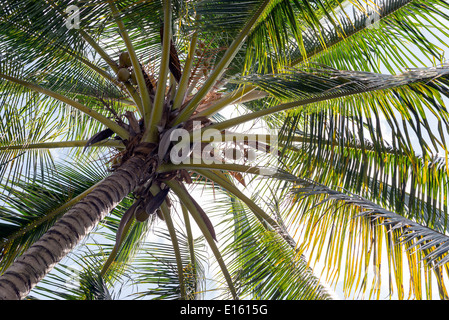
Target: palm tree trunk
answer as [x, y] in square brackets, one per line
[68, 231]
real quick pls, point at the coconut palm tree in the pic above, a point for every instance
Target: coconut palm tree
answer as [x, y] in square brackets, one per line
[277, 136]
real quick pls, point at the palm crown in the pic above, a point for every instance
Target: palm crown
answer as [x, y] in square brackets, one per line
[357, 170]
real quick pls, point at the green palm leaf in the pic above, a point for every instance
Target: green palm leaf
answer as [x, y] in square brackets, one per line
[383, 34]
[264, 266]
[30, 208]
[399, 230]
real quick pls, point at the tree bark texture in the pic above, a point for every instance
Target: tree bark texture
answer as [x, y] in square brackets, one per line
[69, 230]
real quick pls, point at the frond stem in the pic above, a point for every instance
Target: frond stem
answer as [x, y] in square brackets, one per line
[183, 195]
[116, 248]
[144, 94]
[213, 166]
[130, 89]
[185, 214]
[233, 97]
[260, 214]
[172, 231]
[64, 144]
[184, 82]
[219, 178]
[222, 65]
[92, 113]
[155, 114]
[51, 215]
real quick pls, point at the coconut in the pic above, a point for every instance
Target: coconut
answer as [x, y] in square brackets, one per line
[125, 60]
[141, 215]
[123, 74]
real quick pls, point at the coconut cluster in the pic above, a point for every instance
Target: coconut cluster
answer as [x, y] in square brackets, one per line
[125, 72]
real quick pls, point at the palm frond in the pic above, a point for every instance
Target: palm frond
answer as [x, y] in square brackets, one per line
[305, 83]
[384, 34]
[23, 126]
[30, 208]
[156, 268]
[342, 213]
[345, 90]
[332, 150]
[265, 266]
[421, 236]
[78, 278]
